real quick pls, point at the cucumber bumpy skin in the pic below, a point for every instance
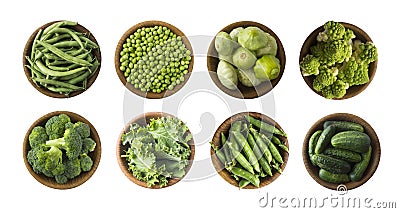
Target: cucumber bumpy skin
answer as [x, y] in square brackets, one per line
[359, 169]
[351, 140]
[324, 139]
[331, 164]
[344, 126]
[332, 177]
[343, 154]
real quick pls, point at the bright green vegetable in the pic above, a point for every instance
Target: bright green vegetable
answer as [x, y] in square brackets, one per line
[332, 177]
[267, 67]
[248, 78]
[243, 183]
[224, 44]
[38, 136]
[263, 126]
[271, 47]
[246, 175]
[243, 58]
[227, 75]
[241, 159]
[247, 150]
[235, 33]
[338, 61]
[312, 143]
[359, 169]
[71, 143]
[158, 151]
[261, 144]
[259, 155]
[252, 38]
[352, 140]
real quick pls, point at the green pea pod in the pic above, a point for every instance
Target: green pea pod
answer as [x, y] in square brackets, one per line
[248, 152]
[241, 159]
[261, 160]
[263, 147]
[246, 175]
[264, 126]
[279, 143]
[243, 183]
[219, 153]
[228, 155]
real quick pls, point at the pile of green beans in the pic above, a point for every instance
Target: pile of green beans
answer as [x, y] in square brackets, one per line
[154, 59]
[252, 150]
[62, 59]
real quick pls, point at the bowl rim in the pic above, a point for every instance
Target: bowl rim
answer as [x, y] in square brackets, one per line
[311, 40]
[28, 48]
[84, 176]
[251, 92]
[117, 63]
[375, 157]
[142, 119]
[219, 167]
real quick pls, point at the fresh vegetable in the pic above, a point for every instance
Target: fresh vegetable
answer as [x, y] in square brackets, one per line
[157, 152]
[345, 152]
[338, 61]
[227, 75]
[267, 67]
[252, 52]
[265, 126]
[332, 177]
[155, 59]
[62, 59]
[258, 154]
[331, 164]
[61, 158]
[358, 170]
[352, 140]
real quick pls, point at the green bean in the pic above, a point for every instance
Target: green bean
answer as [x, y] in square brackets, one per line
[88, 41]
[63, 55]
[57, 38]
[246, 175]
[241, 159]
[264, 126]
[263, 147]
[56, 68]
[59, 24]
[79, 78]
[243, 183]
[34, 43]
[57, 83]
[50, 72]
[66, 44]
[279, 143]
[60, 90]
[263, 162]
[69, 32]
[241, 140]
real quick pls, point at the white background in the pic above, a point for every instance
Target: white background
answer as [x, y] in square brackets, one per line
[297, 107]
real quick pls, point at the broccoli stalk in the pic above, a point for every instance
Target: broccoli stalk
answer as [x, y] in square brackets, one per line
[47, 162]
[71, 143]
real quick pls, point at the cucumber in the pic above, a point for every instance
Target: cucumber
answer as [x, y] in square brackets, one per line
[343, 154]
[344, 126]
[332, 177]
[359, 168]
[312, 143]
[351, 140]
[331, 164]
[324, 139]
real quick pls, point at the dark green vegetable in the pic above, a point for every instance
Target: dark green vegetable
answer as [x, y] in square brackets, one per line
[241, 159]
[352, 140]
[332, 177]
[261, 144]
[344, 126]
[248, 152]
[230, 160]
[243, 183]
[263, 126]
[219, 153]
[274, 151]
[263, 162]
[279, 143]
[312, 143]
[324, 139]
[246, 175]
[343, 154]
[331, 164]
[359, 168]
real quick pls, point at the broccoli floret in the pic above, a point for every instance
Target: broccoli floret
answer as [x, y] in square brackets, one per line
[69, 125]
[72, 168]
[38, 136]
[83, 129]
[47, 162]
[332, 31]
[71, 142]
[62, 178]
[325, 78]
[310, 65]
[336, 90]
[86, 162]
[365, 52]
[88, 146]
[55, 126]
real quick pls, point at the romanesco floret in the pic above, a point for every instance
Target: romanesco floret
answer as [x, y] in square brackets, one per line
[335, 90]
[325, 78]
[347, 70]
[365, 52]
[361, 75]
[310, 65]
[332, 31]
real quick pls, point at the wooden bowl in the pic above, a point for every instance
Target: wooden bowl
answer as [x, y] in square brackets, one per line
[27, 52]
[143, 120]
[129, 86]
[84, 176]
[243, 91]
[376, 150]
[224, 128]
[312, 40]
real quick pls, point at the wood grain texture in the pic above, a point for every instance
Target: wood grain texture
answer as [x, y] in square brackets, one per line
[244, 92]
[224, 128]
[312, 40]
[27, 52]
[375, 157]
[84, 176]
[143, 120]
[129, 86]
